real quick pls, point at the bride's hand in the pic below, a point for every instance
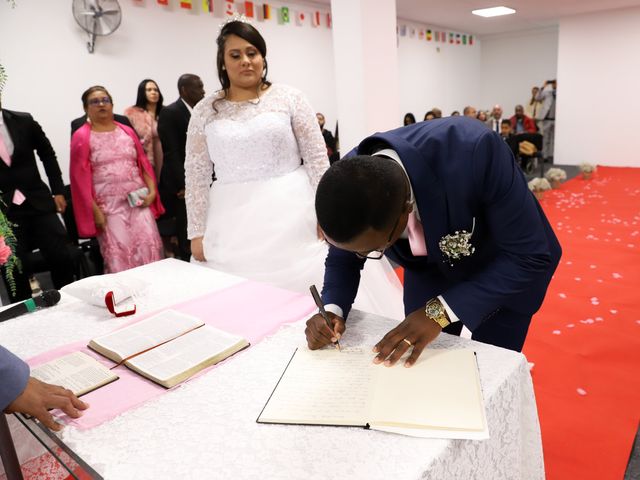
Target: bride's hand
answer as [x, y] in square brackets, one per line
[197, 250]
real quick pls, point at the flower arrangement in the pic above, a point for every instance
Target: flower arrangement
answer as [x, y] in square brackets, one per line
[7, 248]
[457, 245]
[538, 186]
[587, 170]
[555, 176]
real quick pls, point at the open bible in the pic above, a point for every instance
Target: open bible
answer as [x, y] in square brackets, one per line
[438, 397]
[169, 347]
[76, 371]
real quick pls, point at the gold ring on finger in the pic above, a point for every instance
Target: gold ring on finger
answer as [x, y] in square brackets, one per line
[408, 342]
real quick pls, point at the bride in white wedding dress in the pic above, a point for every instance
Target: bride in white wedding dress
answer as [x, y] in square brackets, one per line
[257, 219]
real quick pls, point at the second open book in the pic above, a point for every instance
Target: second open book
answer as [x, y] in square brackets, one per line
[438, 397]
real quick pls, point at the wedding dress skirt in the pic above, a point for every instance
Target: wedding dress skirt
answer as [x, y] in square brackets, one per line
[265, 230]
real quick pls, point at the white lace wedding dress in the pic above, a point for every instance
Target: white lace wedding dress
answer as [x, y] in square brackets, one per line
[258, 217]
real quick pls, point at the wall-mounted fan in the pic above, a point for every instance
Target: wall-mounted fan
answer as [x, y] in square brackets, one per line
[97, 17]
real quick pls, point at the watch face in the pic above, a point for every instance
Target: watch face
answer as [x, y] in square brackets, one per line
[434, 309]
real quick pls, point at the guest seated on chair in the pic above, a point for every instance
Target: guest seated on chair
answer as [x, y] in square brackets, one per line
[144, 118]
[520, 123]
[29, 202]
[114, 187]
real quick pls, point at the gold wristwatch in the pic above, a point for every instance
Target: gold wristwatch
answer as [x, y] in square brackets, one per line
[436, 312]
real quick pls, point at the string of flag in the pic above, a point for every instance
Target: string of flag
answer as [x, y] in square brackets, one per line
[259, 11]
[436, 36]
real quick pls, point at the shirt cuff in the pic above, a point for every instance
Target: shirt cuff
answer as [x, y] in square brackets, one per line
[335, 309]
[452, 316]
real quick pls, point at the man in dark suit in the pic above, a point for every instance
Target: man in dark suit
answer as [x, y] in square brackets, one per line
[78, 122]
[329, 141]
[172, 129]
[446, 201]
[29, 203]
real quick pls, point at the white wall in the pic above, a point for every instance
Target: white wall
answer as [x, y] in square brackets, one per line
[45, 55]
[513, 63]
[434, 74]
[598, 101]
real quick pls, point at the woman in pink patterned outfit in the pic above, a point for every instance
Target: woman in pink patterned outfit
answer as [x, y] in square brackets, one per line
[107, 164]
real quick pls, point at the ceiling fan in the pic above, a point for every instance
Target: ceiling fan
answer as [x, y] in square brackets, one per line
[97, 18]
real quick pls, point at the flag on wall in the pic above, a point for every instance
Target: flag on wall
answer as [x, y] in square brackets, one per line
[464, 39]
[163, 2]
[266, 11]
[229, 7]
[315, 19]
[457, 39]
[248, 9]
[429, 37]
[207, 6]
[301, 17]
[283, 15]
[402, 30]
[412, 32]
[421, 34]
[185, 4]
[451, 40]
[470, 39]
[328, 20]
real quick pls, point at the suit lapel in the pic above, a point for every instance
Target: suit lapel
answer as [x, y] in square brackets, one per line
[14, 132]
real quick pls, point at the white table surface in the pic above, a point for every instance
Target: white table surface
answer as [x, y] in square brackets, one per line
[206, 428]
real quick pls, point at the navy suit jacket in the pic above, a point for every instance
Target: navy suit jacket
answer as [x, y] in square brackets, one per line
[461, 171]
[14, 374]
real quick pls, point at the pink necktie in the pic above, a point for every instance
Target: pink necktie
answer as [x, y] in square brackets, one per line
[415, 232]
[18, 196]
[4, 153]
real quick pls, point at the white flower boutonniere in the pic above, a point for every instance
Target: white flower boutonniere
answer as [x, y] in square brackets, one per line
[457, 245]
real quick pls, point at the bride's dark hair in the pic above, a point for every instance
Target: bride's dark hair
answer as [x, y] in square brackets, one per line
[247, 32]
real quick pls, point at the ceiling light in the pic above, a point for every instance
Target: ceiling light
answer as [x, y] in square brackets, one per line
[494, 11]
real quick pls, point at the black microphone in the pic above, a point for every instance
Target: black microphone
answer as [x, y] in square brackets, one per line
[47, 298]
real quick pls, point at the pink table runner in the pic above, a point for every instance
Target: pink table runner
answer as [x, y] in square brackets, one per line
[252, 310]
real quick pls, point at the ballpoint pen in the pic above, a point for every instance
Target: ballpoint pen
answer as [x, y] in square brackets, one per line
[323, 312]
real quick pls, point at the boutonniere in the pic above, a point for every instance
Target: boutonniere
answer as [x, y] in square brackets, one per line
[457, 245]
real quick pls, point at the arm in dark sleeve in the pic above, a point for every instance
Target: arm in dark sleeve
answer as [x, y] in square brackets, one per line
[48, 157]
[515, 226]
[14, 374]
[172, 175]
[341, 278]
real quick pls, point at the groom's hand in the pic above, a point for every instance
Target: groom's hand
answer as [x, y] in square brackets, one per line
[415, 332]
[318, 332]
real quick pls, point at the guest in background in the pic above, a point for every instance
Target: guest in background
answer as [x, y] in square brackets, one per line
[482, 116]
[329, 141]
[469, 111]
[109, 171]
[506, 132]
[429, 116]
[493, 122]
[172, 129]
[409, 118]
[29, 203]
[455, 113]
[144, 118]
[520, 123]
[437, 113]
[533, 105]
[257, 219]
[21, 393]
[547, 118]
[76, 123]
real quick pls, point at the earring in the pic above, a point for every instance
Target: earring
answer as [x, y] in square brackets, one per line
[223, 67]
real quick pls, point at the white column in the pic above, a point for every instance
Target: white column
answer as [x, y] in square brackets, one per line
[366, 61]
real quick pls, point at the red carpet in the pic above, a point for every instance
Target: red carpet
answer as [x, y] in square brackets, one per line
[585, 341]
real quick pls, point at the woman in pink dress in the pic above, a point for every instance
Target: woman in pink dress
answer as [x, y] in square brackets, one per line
[108, 163]
[144, 119]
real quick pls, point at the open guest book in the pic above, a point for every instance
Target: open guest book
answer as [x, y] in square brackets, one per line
[169, 347]
[438, 397]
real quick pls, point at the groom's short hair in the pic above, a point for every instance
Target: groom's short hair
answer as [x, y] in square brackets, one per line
[360, 192]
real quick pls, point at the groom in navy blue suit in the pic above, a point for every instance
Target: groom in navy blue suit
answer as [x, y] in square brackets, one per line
[445, 200]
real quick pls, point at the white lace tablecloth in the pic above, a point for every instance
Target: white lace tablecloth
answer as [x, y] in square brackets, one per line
[206, 428]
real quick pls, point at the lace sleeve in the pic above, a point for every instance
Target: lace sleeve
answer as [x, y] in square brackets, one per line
[310, 141]
[198, 170]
